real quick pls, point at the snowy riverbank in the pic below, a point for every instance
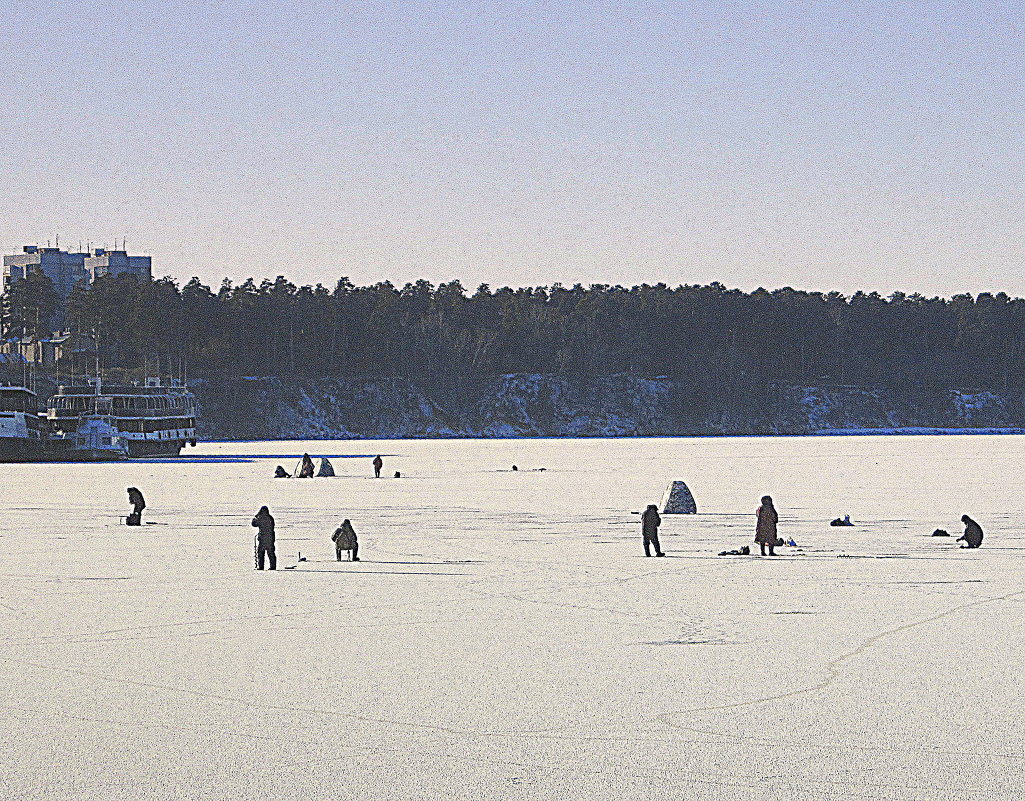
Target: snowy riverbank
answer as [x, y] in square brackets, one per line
[534, 405]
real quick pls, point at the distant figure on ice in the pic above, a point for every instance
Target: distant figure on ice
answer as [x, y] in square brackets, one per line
[378, 464]
[306, 470]
[398, 474]
[650, 521]
[345, 540]
[842, 521]
[765, 530]
[264, 524]
[515, 468]
[940, 532]
[280, 472]
[972, 536]
[138, 504]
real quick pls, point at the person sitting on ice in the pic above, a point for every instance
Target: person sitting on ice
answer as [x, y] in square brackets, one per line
[344, 539]
[138, 504]
[842, 521]
[306, 470]
[972, 536]
[280, 472]
[650, 521]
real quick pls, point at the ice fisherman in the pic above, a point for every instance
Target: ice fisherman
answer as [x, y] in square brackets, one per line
[280, 472]
[842, 521]
[344, 539]
[265, 539]
[138, 504]
[378, 464]
[650, 521]
[306, 470]
[972, 536]
[765, 530]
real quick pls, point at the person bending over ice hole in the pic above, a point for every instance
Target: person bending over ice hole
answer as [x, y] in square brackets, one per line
[972, 536]
[765, 531]
[265, 539]
[650, 521]
[345, 540]
[138, 504]
[378, 464]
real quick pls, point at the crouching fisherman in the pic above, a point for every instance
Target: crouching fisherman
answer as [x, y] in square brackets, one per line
[138, 504]
[972, 536]
[264, 524]
[345, 540]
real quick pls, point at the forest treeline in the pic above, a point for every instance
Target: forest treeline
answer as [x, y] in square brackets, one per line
[721, 340]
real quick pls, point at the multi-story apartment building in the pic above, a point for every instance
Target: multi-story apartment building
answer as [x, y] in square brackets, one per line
[66, 269]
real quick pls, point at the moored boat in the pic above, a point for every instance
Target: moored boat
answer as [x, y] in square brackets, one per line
[95, 440]
[154, 419]
[21, 430]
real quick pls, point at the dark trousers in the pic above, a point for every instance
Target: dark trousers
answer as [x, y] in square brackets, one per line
[377, 471]
[134, 518]
[649, 540]
[770, 546]
[353, 554]
[268, 550]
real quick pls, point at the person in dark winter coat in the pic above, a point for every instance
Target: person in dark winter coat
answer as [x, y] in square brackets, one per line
[650, 521]
[280, 472]
[138, 504]
[765, 530]
[378, 464]
[264, 524]
[972, 532]
[345, 540]
[306, 470]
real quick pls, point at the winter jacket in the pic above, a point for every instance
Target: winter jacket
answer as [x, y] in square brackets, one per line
[344, 537]
[265, 524]
[765, 531]
[650, 521]
[135, 499]
[972, 534]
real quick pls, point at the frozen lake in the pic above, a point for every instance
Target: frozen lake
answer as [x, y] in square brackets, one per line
[504, 636]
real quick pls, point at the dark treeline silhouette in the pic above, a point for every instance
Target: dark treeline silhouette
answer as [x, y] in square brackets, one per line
[722, 340]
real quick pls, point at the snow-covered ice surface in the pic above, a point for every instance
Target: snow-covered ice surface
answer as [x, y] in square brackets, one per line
[505, 638]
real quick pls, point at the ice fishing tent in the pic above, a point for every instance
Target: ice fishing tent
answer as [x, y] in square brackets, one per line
[678, 500]
[326, 470]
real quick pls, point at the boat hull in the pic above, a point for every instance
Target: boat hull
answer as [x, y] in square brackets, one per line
[20, 449]
[143, 447]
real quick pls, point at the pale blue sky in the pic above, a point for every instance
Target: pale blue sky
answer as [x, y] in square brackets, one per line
[814, 144]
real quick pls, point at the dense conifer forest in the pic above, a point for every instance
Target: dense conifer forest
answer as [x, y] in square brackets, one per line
[725, 341]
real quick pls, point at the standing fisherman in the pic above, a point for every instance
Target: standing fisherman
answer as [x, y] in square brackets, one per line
[138, 504]
[378, 464]
[765, 531]
[265, 538]
[650, 521]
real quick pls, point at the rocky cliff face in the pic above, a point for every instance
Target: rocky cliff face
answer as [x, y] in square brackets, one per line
[531, 405]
